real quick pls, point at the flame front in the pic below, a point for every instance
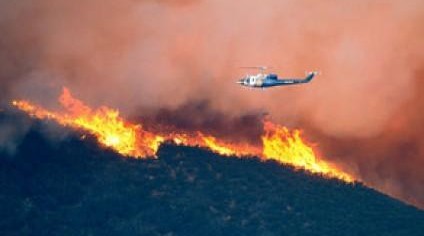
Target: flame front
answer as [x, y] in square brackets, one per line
[130, 139]
[229, 149]
[288, 147]
[104, 123]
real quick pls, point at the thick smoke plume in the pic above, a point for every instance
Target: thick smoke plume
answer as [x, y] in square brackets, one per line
[161, 60]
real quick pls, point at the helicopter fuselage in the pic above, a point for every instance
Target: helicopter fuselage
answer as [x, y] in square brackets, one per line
[271, 80]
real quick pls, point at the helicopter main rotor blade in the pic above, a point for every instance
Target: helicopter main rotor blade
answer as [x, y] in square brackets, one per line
[255, 67]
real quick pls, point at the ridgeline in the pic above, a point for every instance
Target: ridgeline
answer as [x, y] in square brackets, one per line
[74, 187]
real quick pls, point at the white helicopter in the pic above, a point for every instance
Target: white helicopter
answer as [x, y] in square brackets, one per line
[262, 80]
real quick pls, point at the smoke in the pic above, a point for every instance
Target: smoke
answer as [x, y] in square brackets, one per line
[199, 116]
[392, 160]
[159, 60]
[13, 130]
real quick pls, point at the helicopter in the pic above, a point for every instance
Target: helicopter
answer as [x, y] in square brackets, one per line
[263, 80]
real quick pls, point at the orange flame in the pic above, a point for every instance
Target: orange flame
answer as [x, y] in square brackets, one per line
[288, 147]
[104, 123]
[229, 149]
[129, 139]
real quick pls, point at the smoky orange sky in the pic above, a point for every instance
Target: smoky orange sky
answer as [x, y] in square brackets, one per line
[365, 109]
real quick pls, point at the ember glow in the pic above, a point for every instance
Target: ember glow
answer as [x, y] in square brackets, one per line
[132, 140]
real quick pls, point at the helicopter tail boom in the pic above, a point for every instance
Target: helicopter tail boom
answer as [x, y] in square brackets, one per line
[310, 76]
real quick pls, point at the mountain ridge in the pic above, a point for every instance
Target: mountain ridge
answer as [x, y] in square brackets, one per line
[75, 187]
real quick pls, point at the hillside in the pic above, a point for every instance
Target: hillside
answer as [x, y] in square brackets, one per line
[73, 187]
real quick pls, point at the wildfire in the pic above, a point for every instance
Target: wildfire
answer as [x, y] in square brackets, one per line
[104, 123]
[229, 149]
[288, 147]
[132, 140]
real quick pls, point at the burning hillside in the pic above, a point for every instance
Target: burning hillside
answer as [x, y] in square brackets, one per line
[75, 187]
[133, 140]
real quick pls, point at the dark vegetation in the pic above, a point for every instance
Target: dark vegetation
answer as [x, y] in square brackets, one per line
[73, 187]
